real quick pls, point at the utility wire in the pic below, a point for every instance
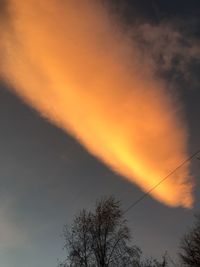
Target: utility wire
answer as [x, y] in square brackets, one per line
[160, 182]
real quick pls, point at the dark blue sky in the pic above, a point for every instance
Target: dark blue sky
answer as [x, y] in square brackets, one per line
[46, 176]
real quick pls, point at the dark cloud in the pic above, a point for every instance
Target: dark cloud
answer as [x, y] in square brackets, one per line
[168, 33]
[173, 49]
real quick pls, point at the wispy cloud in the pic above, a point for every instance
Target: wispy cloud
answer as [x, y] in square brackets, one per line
[173, 49]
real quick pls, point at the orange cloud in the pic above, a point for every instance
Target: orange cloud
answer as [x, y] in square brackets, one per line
[78, 69]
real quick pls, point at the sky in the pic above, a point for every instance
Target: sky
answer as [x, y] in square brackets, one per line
[47, 176]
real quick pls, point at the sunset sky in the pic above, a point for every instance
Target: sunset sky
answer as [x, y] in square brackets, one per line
[46, 175]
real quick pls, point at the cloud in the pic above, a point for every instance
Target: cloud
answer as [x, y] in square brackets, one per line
[172, 48]
[72, 62]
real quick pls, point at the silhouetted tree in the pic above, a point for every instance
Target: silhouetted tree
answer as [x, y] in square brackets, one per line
[190, 246]
[100, 238]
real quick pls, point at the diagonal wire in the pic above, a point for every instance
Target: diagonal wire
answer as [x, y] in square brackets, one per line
[160, 182]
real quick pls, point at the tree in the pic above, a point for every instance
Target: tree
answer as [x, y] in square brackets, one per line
[190, 246]
[100, 238]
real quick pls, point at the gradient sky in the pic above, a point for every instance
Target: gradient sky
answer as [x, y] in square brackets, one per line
[46, 176]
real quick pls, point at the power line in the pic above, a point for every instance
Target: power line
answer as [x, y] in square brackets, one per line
[160, 182]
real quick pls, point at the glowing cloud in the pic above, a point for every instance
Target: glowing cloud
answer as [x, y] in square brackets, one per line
[71, 63]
